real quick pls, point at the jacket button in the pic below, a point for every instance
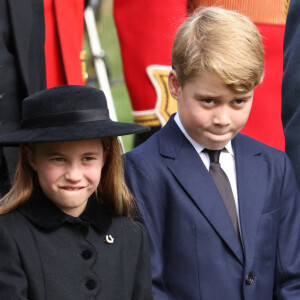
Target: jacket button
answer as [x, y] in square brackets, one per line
[91, 284]
[86, 254]
[249, 278]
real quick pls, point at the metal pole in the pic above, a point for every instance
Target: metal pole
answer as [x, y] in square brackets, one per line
[98, 56]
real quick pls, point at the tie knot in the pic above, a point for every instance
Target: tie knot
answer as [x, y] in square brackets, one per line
[214, 155]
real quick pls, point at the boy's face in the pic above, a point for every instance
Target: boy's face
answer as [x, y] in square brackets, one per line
[68, 172]
[211, 112]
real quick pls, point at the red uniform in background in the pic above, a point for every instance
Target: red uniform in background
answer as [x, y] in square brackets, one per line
[146, 30]
[64, 26]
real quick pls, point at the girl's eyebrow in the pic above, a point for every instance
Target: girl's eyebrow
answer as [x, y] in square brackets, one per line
[61, 154]
[54, 154]
[90, 153]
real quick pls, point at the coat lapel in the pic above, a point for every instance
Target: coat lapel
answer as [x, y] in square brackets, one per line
[21, 18]
[195, 180]
[251, 181]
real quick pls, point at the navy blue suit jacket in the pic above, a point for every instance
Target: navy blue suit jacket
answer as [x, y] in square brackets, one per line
[195, 251]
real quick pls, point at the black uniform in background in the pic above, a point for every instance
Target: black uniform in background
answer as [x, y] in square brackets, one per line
[22, 70]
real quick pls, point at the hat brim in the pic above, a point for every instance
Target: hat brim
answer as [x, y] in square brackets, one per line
[72, 132]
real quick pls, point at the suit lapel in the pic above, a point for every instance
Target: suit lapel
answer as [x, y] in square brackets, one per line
[196, 181]
[251, 182]
[21, 17]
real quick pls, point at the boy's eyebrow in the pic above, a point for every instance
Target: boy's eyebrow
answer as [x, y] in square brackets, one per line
[206, 95]
[216, 96]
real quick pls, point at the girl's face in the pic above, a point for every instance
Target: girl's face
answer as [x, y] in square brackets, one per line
[68, 172]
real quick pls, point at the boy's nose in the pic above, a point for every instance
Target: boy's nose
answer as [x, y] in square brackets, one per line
[221, 117]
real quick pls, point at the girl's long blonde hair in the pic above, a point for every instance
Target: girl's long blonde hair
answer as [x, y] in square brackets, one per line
[112, 190]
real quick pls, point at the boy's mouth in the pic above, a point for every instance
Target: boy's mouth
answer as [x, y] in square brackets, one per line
[218, 133]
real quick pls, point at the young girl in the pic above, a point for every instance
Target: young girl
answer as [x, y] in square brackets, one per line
[66, 228]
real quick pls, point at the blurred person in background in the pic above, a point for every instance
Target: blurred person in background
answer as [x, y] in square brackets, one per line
[291, 86]
[22, 66]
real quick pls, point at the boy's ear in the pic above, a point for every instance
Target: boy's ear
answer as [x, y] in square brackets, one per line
[174, 85]
[31, 158]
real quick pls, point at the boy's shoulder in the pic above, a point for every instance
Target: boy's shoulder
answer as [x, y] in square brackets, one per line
[242, 140]
[148, 150]
[246, 145]
[168, 140]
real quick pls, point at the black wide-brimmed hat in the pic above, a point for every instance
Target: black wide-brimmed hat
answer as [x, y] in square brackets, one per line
[67, 113]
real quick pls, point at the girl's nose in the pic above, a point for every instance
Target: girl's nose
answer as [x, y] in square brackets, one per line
[73, 173]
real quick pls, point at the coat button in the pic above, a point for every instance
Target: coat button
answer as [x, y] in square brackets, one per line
[86, 254]
[91, 284]
[249, 278]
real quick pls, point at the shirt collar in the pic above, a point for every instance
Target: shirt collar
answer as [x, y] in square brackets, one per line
[44, 213]
[198, 147]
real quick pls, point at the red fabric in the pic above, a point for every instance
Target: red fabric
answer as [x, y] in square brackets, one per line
[64, 23]
[264, 123]
[146, 31]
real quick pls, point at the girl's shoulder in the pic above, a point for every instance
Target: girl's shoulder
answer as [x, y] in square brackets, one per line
[128, 228]
[130, 236]
[125, 223]
[13, 219]
[14, 225]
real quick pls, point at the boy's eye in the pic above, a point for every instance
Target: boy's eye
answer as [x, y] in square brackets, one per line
[239, 101]
[208, 101]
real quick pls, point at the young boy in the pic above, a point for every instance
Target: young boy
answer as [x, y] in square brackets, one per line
[212, 236]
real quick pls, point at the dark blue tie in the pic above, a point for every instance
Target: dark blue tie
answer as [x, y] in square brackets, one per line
[223, 185]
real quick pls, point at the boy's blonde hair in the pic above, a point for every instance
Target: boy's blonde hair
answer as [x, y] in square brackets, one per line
[222, 41]
[112, 190]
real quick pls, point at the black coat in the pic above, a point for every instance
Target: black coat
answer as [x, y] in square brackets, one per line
[46, 254]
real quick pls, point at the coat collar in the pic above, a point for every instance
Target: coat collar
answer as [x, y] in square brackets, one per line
[250, 168]
[42, 212]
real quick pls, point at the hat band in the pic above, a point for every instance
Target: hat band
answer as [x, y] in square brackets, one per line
[72, 117]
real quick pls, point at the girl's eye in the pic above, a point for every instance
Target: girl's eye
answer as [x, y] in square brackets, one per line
[58, 159]
[88, 158]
